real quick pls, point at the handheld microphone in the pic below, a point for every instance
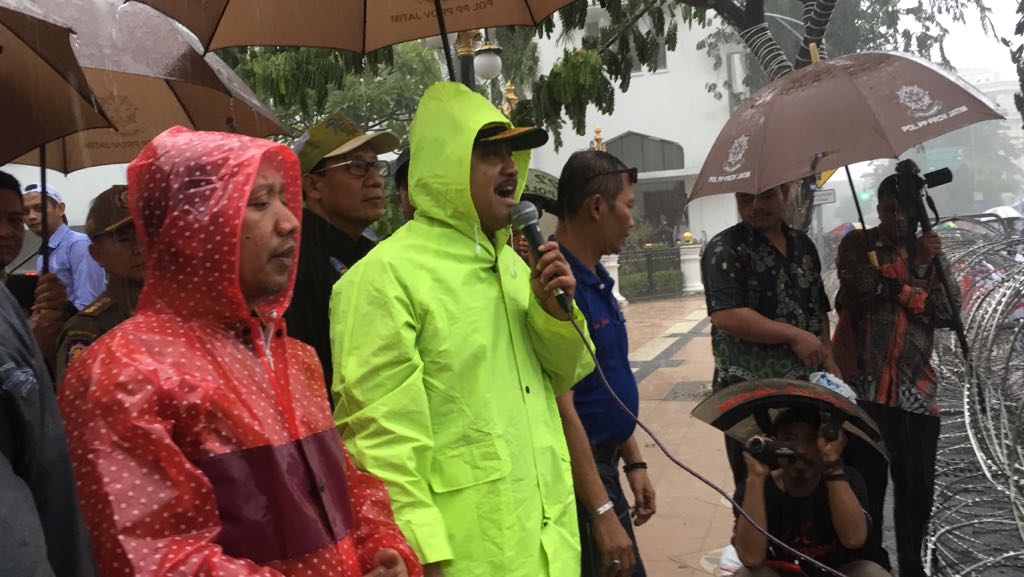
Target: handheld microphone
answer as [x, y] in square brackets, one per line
[524, 218]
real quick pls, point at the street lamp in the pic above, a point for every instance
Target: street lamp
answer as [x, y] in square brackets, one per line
[465, 47]
[476, 59]
[488, 61]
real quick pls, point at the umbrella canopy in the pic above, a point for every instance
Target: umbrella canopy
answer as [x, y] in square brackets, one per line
[734, 409]
[148, 75]
[45, 95]
[834, 113]
[356, 25]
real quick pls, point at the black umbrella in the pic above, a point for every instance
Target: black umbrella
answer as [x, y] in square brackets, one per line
[746, 409]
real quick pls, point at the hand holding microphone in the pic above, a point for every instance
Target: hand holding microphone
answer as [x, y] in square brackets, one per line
[551, 276]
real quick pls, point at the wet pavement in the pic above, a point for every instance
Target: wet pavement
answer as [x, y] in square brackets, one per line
[670, 351]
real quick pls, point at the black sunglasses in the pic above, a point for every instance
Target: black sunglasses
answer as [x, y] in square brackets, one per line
[632, 172]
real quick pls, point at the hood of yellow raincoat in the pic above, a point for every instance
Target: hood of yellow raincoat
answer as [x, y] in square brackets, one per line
[187, 192]
[444, 128]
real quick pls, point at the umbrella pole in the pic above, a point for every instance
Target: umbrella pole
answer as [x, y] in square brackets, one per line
[856, 201]
[444, 40]
[872, 255]
[44, 202]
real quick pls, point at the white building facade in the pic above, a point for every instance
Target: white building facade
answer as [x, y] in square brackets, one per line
[664, 125]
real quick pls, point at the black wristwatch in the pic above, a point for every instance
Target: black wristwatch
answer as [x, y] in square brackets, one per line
[633, 467]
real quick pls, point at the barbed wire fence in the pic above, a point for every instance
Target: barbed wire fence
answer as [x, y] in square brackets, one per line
[977, 524]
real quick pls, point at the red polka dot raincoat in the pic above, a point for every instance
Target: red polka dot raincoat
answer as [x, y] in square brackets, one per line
[200, 434]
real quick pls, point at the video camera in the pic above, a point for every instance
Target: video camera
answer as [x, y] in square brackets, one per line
[765, 448]
[912, 192]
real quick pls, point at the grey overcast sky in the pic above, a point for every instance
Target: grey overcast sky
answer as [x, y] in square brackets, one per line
[968, 48]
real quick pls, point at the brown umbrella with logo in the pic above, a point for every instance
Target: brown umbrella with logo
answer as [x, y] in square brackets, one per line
[356, 25]
[832, 114]
[835, 113]
[148, 75]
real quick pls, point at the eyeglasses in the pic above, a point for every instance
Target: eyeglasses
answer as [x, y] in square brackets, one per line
[632, 172]
[361, 168]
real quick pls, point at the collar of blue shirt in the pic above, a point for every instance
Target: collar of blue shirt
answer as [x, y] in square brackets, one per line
[58, 236]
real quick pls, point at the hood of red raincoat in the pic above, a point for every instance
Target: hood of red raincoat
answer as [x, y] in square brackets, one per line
[187, 192]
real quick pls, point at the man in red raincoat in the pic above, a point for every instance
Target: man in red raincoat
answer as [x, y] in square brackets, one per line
[200, 435]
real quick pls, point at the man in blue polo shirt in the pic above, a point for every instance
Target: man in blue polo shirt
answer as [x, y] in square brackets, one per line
[70, 260]
[595, 202]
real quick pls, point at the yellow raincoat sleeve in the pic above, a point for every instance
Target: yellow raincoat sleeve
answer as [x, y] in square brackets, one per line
[381, 407]
[559, 348]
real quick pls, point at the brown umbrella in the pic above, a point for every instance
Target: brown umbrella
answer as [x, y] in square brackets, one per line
[45, 95]
[149, 75]
[854, 108]
[356, 25]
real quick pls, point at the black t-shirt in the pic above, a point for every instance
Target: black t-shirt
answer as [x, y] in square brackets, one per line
[805, 524]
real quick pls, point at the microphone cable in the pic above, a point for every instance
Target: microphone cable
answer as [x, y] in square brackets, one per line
[687, 468]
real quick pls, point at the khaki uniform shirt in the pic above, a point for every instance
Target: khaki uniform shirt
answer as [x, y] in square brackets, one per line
[112, 307]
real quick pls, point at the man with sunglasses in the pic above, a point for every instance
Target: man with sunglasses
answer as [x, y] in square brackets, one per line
[596, 194]
[343, 190]
[449, 352]
[116, 249]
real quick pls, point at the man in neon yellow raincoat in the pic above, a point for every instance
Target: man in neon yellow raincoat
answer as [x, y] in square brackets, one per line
[448, 357]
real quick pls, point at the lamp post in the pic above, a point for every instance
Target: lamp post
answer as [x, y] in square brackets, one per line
[465, 47]
[478, 56]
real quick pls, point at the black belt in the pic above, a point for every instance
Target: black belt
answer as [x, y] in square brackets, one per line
[608, 454]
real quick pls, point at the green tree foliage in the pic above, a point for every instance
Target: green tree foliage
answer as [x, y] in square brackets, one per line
[379, 91]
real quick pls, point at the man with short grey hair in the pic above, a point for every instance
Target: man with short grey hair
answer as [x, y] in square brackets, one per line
[343, 189]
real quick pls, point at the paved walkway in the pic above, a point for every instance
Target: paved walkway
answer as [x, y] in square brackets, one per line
[670, 350]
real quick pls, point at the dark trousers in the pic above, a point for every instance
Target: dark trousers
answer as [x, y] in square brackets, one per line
[912, 440]
[607, 459]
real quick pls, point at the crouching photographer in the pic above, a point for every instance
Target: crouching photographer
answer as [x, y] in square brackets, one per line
[811, 502]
